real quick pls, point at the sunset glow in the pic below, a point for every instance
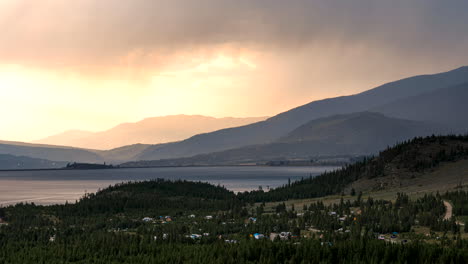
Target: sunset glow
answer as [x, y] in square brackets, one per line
[64, 65]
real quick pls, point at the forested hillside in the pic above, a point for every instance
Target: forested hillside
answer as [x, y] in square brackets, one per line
[184, 222]
[392, 168]
[157, 195]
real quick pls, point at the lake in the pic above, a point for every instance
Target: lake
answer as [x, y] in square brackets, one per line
[59, 186]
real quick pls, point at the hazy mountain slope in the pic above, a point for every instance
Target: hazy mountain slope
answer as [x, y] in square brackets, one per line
[448, 106]
[32, 145]
[56, 153]
[364, 129]
[352, 134]
[10, 162]
[68, 154]
[124, 153]
[277, 126]
[64, 138]
[148, 131]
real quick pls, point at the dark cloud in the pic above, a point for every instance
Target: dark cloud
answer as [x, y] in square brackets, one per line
[99, 32]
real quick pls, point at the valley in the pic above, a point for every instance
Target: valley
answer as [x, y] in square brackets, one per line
[338, 210]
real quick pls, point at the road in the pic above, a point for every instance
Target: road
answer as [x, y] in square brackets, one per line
[448, 210]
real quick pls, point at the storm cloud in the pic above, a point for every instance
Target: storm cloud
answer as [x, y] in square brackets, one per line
[92, 64]
[88, 32]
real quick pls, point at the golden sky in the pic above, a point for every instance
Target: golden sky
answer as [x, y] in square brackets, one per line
[90, 65]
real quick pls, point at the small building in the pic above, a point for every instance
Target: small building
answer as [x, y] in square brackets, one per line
[195, 236]
[192, 216]
[208, 217]
[147, 219]
[285, 235]
[258, 236]
[273, 236]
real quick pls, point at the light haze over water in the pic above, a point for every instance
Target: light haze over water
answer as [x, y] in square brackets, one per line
[59, 186]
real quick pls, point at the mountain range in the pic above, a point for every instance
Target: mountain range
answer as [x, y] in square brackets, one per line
[147, 131]
[358, 124]
[276, 127]
[353, 134]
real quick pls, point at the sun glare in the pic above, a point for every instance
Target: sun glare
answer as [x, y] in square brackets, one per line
[61, 99]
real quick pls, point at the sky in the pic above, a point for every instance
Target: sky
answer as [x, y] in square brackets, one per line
[90, 65]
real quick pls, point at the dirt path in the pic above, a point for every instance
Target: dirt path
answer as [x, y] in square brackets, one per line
[448, 210]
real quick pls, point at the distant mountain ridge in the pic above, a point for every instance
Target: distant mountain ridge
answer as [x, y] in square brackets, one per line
[154, 130]
[275, 127]
[355, 134]
[49, 152]
[69, 154]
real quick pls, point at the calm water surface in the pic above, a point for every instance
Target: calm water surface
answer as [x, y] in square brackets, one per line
[51, 187]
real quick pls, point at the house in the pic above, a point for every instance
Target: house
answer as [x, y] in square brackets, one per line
[250, 220]
[195, 236]
[285, 235]
[273, 236]
[258, 236]
[147, 219]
